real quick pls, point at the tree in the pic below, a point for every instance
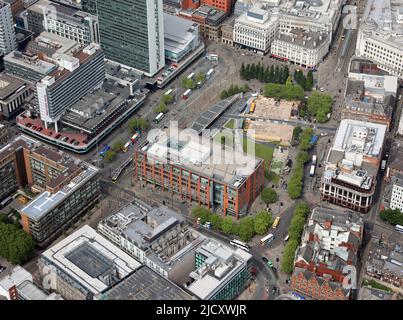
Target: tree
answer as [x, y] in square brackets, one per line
[118, 145]
[188, 83]
[138, 124]
[224, 95]
[296, 133]
[319, 105]
[242, 71]
[245, 88]
[161, 108]
[287, 262]
[263, 221]
[246, 228]
[392, 216]
[110, 155]
[309, 81]
[294, 188]
[15, 245]
[302, 157]
[216, 221]
[269, 196]
[167, 99]
[227, 225]
[200, 77]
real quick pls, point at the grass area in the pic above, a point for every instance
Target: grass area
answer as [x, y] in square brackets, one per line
[261, 150]
[230, 124]
[376, 285]
[273, 177]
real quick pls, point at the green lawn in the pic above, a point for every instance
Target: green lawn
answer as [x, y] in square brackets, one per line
[230, 124]
[376, 285]
[261, 151]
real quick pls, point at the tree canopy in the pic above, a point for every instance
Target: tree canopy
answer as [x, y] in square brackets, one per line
[16, 246]
[319, 105]
[392, 216]
[269, 196]
[287, 91]
[138, 124]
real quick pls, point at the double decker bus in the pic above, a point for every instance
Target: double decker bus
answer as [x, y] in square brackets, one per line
[186, 94]
[276, 222]
[267, 239]
[158, 118]
[240, 244]
[135, 137]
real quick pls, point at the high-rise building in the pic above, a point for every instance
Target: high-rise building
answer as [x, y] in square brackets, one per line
[8, 40]
[132, 33]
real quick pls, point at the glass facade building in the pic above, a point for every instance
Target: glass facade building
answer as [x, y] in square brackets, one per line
[132, 33]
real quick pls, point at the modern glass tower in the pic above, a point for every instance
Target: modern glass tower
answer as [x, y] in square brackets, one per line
[132, 33]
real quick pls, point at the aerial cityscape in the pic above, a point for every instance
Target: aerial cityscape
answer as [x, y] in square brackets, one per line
[198, 150]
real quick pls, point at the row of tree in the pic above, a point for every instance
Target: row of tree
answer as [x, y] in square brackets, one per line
[287, 91]
[320, 105]
[264, 74]
[392, 216]
[294, 188]
[295, 231]
[191, 83]
[245, 229]
[234, 89]
[306, 82]
[16, 246]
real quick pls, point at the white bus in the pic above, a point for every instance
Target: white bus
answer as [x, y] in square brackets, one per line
[158, 117]
[239, 244]
[168, 93]
[267, 239]
[399, 228]
[209, 73]
[190, 76]
[287, 237]
[186, 94]
[212, 57]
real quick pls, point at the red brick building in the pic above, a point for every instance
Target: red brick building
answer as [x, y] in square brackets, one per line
[318, 288]
[210, 184]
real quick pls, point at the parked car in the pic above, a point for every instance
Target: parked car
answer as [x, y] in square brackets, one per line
[2, 269]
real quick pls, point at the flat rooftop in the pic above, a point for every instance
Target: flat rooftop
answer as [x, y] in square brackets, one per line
[204, 157]
[9, 85]
[383, 19]
[46, 201]
[365, 138]
[222, 263]
[85, 255]
[145, 284]
[33, 63]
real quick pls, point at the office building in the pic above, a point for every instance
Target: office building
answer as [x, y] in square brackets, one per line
[229, 180]
[16, 6]
[396, 199]
[223, 5]
[35, 16]
[256, 29]
[77, 75]
[19, 285]
[380, 35]
[85, 264]
[159, 238]
[220, 272]
[330, 242]
[132, 33]
[27, 66]
[71, 23]
[305, 48]
[352, 165]
[65, 186]
[311, 15]
[13, 92]
[3, 134]
[181, 37]
[145, 284]
[8, 42]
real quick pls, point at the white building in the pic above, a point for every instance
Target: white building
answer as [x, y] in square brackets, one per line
[396, 199]
[85, 264]
[71, 23]
[306, 48]
[256, 29]
[314, 15]
[19, 286]
[380, 35]
[8, 40]
[352, 165]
